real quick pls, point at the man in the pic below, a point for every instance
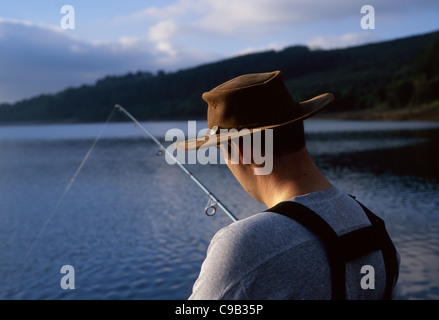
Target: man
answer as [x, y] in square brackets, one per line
[280, 253]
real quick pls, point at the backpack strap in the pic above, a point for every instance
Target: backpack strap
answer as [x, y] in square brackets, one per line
[317, 225]
[342, 249]
[388, 250]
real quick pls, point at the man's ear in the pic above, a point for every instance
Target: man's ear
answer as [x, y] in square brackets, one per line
[235, 151]
[241, 151]
[230, 152]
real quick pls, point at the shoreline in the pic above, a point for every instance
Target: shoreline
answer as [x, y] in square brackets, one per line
[421, 113]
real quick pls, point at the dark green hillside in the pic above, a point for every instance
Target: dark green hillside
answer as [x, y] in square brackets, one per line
[392, 74]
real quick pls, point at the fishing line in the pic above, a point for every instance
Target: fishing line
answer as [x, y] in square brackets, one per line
[70, 184]
[209, 210]
[18, 271]
[213, 201]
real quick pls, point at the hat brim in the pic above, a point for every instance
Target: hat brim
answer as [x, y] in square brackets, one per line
[308, 109]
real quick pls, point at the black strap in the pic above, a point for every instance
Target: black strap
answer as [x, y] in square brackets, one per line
[388, 250]
[317, 225]
[347, 247]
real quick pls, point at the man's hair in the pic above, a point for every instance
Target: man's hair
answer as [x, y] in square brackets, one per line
[286, 139]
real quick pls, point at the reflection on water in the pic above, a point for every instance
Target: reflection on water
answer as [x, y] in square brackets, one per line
[134, 227]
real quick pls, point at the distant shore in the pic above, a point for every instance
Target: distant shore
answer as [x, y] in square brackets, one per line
[421, 113]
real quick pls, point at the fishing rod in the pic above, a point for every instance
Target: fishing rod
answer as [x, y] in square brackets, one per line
[210, 209]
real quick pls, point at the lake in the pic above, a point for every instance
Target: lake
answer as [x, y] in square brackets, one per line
[133, 227]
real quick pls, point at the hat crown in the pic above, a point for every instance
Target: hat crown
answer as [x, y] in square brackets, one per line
[246, 81]
[257, 101]
[250, 101]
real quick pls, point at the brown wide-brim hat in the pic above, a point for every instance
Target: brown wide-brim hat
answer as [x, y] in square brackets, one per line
[257, 101]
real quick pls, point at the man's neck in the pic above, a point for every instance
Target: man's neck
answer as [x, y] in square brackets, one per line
[293, 175]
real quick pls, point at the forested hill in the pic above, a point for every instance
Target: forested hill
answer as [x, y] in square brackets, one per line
[392, 74]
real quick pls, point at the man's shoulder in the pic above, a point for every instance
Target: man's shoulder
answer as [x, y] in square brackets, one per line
[253, 248]
[261, 233]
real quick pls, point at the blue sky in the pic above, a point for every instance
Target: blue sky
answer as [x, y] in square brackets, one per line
[116, 37]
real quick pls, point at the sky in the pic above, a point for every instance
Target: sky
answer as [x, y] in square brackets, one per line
[44, 50]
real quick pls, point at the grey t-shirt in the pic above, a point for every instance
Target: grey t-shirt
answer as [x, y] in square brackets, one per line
[270, 256]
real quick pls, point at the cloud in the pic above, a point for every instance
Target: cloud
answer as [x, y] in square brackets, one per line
[342, 41]
[272, 46]
[36, 59]
[252, 19]
[161, 34]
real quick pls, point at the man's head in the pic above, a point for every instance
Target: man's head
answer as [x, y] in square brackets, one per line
[264, 146]
[255, 121]
[251, 103]
[257, 155]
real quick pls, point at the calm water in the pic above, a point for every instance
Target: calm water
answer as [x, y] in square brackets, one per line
[133, 227]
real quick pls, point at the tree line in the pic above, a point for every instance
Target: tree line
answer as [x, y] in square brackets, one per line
[393, 74]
